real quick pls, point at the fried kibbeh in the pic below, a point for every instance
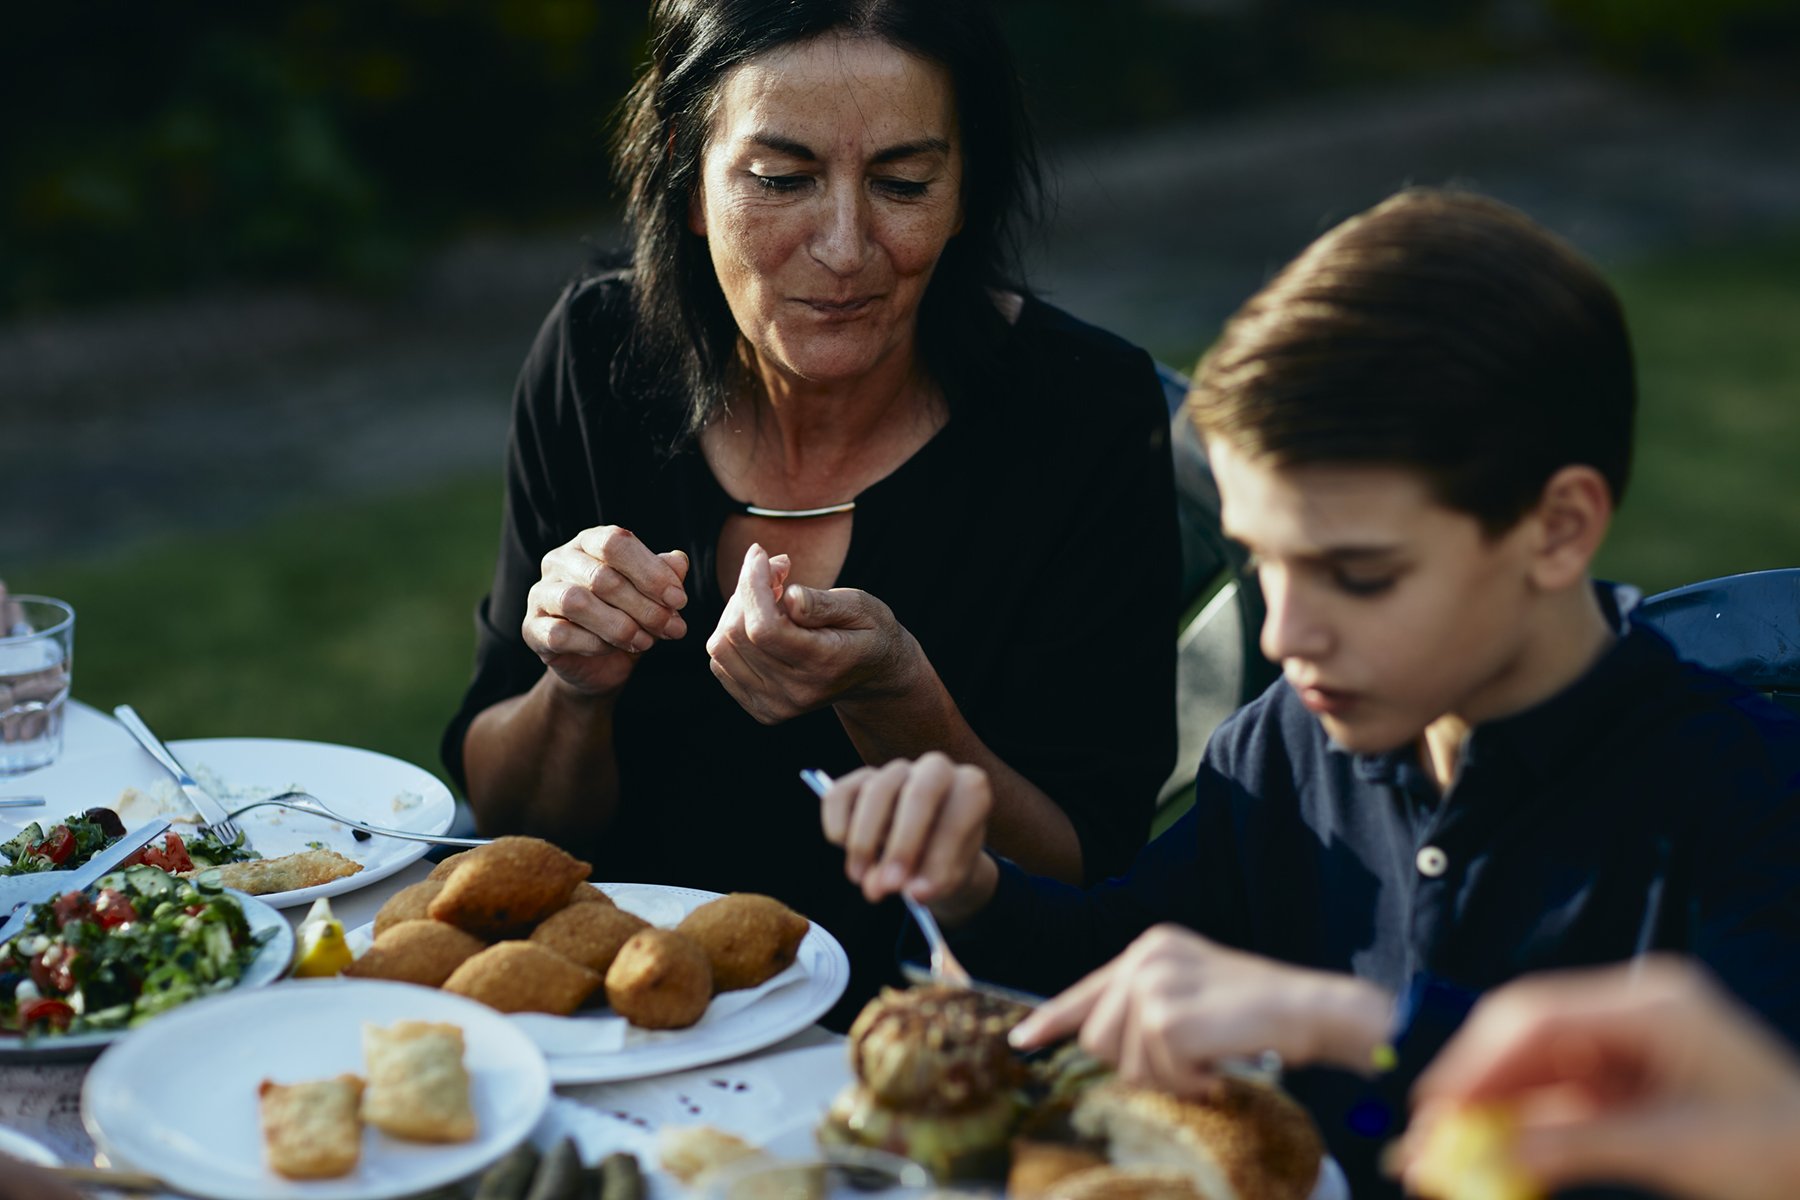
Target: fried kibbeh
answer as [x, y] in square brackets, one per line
[511, 885]
[420, 951]
[660, 980]
[410, 903]
[523, 976]
[587, 893]
[447, 867]
[589, 934]
[747, 937]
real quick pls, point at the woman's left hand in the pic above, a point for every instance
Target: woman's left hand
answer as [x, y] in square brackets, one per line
[783, 651]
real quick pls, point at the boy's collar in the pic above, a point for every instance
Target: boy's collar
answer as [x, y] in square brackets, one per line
[1544, 735]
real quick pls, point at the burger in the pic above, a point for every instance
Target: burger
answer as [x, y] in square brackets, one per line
[935, 1081]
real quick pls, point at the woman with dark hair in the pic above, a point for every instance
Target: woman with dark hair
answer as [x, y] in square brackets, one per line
[810, 482]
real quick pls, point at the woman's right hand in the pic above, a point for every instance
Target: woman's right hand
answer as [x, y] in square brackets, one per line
[604, 598]
[915, 827]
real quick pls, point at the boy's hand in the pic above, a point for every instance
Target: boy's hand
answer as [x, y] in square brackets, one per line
[1174, 1004]
[916, 827]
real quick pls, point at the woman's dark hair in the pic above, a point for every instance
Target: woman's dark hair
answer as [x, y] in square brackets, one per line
[1439, 331]
[683, 330]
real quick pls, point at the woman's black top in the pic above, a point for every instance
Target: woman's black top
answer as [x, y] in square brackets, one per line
[1030, 547]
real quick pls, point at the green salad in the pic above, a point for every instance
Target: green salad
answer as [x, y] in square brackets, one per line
[72, 842]
[140, 942]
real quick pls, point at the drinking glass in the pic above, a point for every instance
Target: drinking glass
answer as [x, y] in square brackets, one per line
[37, 650]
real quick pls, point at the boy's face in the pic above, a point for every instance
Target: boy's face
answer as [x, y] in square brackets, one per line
[1386, 610]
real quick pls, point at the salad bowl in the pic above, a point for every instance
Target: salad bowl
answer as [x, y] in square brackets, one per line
[269, 964]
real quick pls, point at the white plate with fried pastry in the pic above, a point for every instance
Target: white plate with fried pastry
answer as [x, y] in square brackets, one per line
[593, 1046]
[206, 1139]
[361, 784]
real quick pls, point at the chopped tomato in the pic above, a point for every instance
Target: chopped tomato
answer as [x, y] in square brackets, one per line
[51, 969]
[55, 1013]
[172, 856]
[112, 909]
[57, 845]
[69, 908]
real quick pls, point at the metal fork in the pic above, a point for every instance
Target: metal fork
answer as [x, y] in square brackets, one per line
[944, 967]
[306, 802]
[217, 821]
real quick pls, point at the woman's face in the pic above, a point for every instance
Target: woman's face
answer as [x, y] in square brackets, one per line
[830, 183]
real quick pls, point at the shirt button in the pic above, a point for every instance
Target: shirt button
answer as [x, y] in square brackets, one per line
[1432, 862]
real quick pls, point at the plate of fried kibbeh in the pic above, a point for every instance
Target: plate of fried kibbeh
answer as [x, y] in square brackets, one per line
[610, 980]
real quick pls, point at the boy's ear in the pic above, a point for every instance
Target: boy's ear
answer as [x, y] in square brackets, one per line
[1572, 516]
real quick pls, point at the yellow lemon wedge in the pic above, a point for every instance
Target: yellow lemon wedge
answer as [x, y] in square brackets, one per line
[319, 945]
[1468, 1156]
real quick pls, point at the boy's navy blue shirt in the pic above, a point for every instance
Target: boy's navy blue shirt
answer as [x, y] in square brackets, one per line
[1652, 805]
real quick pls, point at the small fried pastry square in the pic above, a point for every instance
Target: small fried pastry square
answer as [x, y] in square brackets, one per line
[410, 903]
[589, 934]
[418, 1087]
[524, 977]
[748, 938]
[660, 980]
[311, 1130]
[424, 952]
[514, 883]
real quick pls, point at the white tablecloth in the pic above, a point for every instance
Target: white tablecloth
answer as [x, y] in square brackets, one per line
[775, 1093]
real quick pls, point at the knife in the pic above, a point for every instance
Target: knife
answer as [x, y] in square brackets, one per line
[103, 863]
[212, 813]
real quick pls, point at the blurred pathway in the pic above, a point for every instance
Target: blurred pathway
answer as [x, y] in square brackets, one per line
[215, 412]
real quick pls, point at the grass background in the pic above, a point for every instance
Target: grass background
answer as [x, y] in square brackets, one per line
[353, 623]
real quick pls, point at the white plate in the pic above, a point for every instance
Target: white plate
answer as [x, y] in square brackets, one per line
[358, 783]
[768, 1020]
[271, 963]
[27, 1149]
[205, 1138]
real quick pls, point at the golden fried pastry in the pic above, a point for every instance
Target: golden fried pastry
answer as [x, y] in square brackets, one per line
[589, 934]
[660, 980]
[424, 952]
[418, 1087]
[1037, 1166]
[290, 872]
[311, 1130]
[511, 885]
[748, 938]
[524, 977]
[446, 867]
[1247, 1141]
[411, 903]
[689, 1151]
[587, 893]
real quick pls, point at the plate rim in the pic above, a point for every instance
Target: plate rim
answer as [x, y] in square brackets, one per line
[607, 1067]
[274, 959]
[523, 1051]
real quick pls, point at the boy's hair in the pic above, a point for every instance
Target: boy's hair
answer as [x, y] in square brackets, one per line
[1439, 331]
